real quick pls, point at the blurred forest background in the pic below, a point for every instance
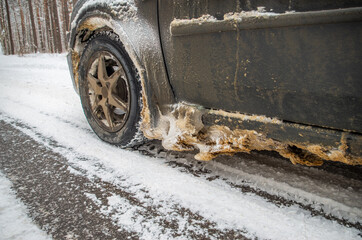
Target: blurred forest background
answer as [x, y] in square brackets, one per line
[31, 26]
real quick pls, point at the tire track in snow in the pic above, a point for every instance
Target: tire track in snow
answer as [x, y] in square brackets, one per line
[184, 163]
[52, 194]
[117, 204]
[200, 170]
[173, 160]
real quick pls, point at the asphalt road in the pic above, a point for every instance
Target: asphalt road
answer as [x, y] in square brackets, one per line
[58, 198]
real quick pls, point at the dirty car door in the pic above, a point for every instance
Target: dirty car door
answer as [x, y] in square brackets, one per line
[302, 67]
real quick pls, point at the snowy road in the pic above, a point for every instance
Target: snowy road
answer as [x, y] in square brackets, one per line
[77, 187]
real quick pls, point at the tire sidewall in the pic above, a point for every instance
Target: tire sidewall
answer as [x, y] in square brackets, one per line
[126, 134]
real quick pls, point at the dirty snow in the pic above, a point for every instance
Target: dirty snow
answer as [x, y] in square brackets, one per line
[37, 90]
[14, 221]
[231, 16]
[124, 9]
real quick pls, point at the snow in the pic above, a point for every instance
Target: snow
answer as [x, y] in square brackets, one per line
[307, 187]
[231, 16]
[124, 9]
[244, 117]
[14, 222]
[37, 91]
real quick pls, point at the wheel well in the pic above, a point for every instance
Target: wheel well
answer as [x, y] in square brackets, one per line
[84, 33]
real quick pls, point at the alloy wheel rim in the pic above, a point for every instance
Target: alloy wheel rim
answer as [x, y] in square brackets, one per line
[108, 90]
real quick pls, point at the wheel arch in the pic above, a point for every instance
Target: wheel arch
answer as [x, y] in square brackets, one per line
[137, 28]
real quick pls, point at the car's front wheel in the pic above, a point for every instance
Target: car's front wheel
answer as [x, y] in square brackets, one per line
[110, 91]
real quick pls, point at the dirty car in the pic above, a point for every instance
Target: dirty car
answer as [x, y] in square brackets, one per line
[223, 77]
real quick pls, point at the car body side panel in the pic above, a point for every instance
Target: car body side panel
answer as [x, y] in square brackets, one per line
[184, 126]
[304, 72]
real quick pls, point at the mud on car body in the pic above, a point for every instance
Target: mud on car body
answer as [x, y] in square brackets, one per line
[223, 76]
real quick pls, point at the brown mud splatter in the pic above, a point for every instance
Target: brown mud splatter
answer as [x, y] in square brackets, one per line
[75, 61]
[182, 130]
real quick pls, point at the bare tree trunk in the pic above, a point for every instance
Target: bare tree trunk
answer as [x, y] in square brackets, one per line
[20, 50]
[2, 29]
[35, 39]
[52, 25]
[70, 10]
[47, 26]
[56, 33]
[11, 42]
[65, 20]
[22, 43]
[40, 32]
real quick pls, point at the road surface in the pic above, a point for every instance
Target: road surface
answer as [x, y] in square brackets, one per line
[71, 185]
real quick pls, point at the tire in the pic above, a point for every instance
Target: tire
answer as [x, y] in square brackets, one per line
[110, 91]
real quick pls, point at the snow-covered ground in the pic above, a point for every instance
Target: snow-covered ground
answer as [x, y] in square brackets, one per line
[36, 90]
[14, 222]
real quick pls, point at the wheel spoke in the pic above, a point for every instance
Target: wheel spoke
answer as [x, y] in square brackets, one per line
[99, 103]
[95, 106]
[107, 114]
[93, 82]
[118, 103]
[102, 72]
[113, 79]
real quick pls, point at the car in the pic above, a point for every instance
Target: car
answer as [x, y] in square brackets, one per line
[223, 77]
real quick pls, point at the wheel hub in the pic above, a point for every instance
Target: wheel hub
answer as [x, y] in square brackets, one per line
[105, 92]
[108, 91]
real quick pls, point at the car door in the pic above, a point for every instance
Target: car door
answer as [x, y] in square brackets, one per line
[302, 67]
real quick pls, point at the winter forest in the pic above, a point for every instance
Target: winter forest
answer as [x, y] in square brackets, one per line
[31, 26]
